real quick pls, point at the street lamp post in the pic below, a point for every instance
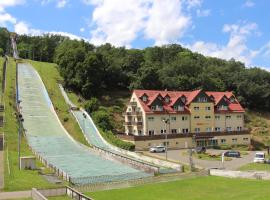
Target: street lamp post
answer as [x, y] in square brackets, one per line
[84, 117]
[20, 118]
[166, 121]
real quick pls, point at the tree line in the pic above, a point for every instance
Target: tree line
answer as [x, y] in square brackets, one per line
[90, 70]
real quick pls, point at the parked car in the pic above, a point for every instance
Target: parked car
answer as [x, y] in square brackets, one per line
[259, 157]
[235, 154]
[199, 150]
[157, 149]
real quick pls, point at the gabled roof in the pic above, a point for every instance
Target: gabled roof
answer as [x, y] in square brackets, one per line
[190, 96]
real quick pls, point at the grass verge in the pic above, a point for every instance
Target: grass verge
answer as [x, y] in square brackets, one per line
[17, 179]
[50, 76]
[255, 167]
[210, 188]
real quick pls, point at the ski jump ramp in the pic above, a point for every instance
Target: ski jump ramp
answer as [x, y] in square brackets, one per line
[53, 145]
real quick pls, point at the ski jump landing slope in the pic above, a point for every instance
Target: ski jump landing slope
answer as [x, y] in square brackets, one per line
[48, 139]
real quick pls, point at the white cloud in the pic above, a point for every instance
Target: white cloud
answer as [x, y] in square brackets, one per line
[120, 22]
[6, 18]
[193, 3]
[59, 3]
[8, 3]
[166, 22]
[249, 4]
[236, 46]
[203, 13]
[82, 29]
[23, 28]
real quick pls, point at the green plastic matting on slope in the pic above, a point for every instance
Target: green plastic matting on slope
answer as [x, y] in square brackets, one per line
[49, 139]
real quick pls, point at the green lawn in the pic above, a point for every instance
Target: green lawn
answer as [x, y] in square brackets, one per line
[255, 167]
[50, 76]
[17, 179]
[201, 188]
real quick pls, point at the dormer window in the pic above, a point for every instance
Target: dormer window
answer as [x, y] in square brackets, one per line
[183, 99]
[144, 98]
[153, 108]
[232, 99]
[167, 99]
[178, 108]
[202, 99]
[222, 107]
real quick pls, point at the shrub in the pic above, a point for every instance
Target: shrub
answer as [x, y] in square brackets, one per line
[1, 52]
[66, 119]
[91, 105]
[112, 139]
[103, 120]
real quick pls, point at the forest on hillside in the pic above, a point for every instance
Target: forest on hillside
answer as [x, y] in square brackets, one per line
[89, 70]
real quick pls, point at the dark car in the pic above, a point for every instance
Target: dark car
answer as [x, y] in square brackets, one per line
[235, 154]
[200, 150]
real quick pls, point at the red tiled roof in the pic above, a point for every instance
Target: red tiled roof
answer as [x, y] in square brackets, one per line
[190, 95]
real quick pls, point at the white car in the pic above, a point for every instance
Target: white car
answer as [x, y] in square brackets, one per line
[259, 157]
[157, 149]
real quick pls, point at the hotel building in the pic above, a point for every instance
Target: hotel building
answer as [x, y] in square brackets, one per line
[185, 118]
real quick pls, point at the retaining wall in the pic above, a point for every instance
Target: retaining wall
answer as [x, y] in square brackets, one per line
[240, 174]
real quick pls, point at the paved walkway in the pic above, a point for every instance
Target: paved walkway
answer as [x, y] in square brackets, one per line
[15, 195]
[179, 156]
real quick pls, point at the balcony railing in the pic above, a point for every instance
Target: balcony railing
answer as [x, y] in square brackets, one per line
[133, 103]
[186, 135]
[133, 113]
[132, 123]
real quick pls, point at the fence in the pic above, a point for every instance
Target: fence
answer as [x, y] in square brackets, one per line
[71, 192]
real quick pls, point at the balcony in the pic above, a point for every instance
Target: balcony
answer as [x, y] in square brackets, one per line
[196, 136]
[133, 123]
[133, 113]
[133, 103]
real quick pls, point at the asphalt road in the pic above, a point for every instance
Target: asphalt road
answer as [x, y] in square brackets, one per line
[182, 157]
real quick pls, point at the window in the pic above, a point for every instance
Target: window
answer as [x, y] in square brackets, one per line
[239, 128]
[197, 130]
[239, 116]
[229, 128]
[176, 143]
[167, 99]
[184, 118]
[183, 99]
[245, 139]
[151, 132]
[228, 117]
[185, 130]
[222, 107]
[151, 119]
[217, 129]
[207, 108]
[139, 132]
[162, 131]
[234, 140]
[196, 117]
[207, 117]
[174, 131]
[159, 108]
[217, 117]
[208, 129]
[202, 99]
[178, 108]
[153, 107]
[164, 144]
[144, 98]
[173, 119]
[223, 141]
[196, 108]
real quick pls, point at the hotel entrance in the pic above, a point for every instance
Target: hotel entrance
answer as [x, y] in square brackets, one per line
[206, 142]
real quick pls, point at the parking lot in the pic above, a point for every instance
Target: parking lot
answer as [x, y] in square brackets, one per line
[182, 157]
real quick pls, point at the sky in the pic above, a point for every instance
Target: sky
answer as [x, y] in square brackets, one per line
[238, 29]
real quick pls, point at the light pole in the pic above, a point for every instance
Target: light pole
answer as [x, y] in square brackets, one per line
[20, 118]
[166, 121]
[84, 117]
